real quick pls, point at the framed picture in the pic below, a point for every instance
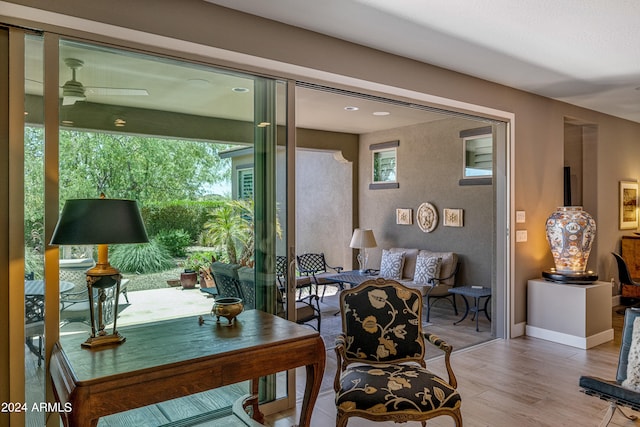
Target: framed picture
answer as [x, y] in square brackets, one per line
[628, 205]
[452, 217]
[404, 216]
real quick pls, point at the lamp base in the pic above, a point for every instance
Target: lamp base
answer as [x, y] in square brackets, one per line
[576, 278]
[100, 340]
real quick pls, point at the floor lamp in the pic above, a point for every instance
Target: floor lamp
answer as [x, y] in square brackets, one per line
[363, 239]
[100, 222]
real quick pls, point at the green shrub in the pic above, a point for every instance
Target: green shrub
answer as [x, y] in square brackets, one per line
[141, 258]
[189, 216]
[176, 241]
[33, 262]
[198, 259]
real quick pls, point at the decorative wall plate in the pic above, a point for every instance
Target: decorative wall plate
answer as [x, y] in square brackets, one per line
[427, 217]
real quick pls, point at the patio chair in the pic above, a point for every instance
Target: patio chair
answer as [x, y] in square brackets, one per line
[34, 323]
[315, 266]
[382, 374]
[74, 306]
[307, 308]
[617, 392]
[302, 282]
[226, 278]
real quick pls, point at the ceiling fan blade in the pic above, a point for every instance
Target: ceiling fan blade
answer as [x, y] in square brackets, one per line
[69, 100]
[115, 91]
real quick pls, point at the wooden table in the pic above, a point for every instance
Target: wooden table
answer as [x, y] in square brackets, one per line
[174, 358]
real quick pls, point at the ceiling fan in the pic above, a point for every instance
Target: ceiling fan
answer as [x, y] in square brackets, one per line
[73, 90]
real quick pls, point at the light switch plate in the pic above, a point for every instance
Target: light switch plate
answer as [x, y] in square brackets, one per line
[520, 216]
[521, 235]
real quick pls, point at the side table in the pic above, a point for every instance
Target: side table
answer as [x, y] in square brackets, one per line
[475, 292]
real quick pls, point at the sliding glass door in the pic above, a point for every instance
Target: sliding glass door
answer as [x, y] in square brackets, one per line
[196, 146]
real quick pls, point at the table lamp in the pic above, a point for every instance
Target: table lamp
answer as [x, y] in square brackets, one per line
[363, 239]
[100, 222]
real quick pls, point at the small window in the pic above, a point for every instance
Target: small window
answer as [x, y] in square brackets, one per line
[384, 165]
[245, 183]
[478, 156]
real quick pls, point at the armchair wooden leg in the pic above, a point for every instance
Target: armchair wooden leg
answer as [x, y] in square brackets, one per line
[613, 407]
[607, 417]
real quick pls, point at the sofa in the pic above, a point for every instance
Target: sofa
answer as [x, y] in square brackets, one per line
[436, 272]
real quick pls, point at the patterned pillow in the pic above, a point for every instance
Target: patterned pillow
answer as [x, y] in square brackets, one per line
[632, 382]
[427, 268]
[391, 264]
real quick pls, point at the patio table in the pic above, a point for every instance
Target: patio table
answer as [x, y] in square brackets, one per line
[475, 292]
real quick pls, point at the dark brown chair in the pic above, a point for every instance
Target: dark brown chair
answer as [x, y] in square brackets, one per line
[382, 375]
[624, 276]
[307, 308]
[315, 266]
[34, 323]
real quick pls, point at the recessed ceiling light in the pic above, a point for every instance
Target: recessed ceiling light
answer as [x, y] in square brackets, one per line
[263, 124]
[67, 123]
[240, 89]
[119, 122]
[381, 113]
[351, 108]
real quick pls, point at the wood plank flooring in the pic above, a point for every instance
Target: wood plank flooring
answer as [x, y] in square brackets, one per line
[524, 382]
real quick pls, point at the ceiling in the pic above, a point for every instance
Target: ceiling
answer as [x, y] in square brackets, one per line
[113, 80]
[583, 52]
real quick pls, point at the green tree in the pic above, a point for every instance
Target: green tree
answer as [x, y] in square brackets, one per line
[136, 167]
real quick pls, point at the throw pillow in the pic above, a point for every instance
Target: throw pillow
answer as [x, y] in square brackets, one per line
[391, 264]
[632, 382]
[427, 268]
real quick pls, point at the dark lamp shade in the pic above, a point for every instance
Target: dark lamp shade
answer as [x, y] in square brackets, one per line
[98, 222]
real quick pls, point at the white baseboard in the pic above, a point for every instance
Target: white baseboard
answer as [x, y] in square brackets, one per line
[518, 329]
[572, 340]
[615, 300]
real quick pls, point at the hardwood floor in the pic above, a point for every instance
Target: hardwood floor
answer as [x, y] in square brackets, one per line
[520, 382]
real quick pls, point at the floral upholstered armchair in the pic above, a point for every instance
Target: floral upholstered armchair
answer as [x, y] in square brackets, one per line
[381, 371]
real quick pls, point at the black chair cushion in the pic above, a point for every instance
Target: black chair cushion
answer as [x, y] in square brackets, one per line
[393, 388]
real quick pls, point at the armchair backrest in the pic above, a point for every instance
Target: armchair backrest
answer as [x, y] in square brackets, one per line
[247, 280]
[630, 315]
[281, 269]
[382, 322]
[226, 278]
[311, 263]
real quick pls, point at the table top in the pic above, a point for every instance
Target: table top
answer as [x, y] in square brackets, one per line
[471, 291]
[146, 345]
[353, 277]
[36, 287]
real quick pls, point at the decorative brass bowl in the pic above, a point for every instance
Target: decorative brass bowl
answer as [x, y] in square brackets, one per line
[228, 307]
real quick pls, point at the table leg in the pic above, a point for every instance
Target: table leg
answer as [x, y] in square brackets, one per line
[253, 400]
[311, 390]
[466, 310]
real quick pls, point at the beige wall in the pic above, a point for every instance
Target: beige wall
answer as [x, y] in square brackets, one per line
[539, 122]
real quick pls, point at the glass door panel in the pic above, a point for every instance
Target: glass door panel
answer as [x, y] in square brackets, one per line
[34, 244]
[196, 147]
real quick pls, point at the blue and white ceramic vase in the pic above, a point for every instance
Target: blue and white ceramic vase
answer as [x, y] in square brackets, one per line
[570, 233]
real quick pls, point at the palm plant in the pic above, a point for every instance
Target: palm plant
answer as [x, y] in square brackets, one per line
[230, 230]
